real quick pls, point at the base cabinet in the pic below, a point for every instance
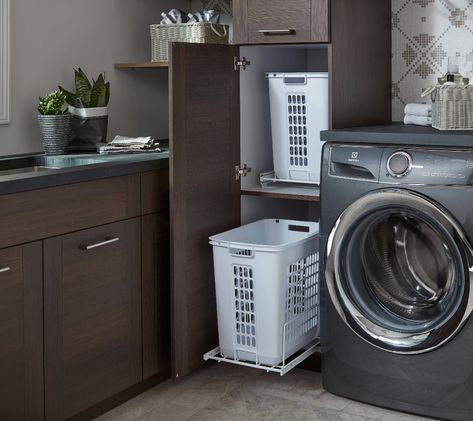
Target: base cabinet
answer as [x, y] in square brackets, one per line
[21, 333]
[93, 336]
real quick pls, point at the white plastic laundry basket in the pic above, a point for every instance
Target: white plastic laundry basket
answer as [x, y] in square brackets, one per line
[267, 289]
[299, 112]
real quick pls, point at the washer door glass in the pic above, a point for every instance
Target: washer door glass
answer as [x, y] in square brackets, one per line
[398, 271]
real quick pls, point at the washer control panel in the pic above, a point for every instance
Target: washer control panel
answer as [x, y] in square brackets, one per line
[427, 167]
[402, 166]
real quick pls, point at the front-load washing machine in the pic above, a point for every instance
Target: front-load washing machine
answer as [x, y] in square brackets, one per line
[397, 223]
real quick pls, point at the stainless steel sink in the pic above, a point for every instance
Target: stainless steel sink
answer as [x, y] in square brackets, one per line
[68, 161]
[32, 164]
[24, 170]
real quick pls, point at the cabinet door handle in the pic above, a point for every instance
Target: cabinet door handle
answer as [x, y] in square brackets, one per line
[5, 269]
[101, 244]
[277, 31]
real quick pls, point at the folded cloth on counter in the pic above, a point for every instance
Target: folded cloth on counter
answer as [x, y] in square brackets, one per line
[418, 121]
[420, 110]
[122, 144]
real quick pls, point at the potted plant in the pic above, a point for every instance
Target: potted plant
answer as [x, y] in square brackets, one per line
[55, 123]
[89, 109]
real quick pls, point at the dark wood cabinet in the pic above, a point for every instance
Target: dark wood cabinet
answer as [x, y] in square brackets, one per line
[228, 125]
[281, 22]
[92, 301]
[205, 196]
[21, 333]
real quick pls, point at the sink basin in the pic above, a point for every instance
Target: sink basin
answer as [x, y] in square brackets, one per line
[68, 161]
[24, 170]
[33, 164]
[25, 165]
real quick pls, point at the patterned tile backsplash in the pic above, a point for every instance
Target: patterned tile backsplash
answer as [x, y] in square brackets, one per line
[223, 6]
[425, 34]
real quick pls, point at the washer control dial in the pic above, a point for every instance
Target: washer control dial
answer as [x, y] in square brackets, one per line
[399, 164]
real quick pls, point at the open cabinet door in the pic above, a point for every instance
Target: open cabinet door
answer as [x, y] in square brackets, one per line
[205, 195]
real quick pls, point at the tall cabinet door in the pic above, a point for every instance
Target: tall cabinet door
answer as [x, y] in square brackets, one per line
[205, 195]
[21, 333]
[92, 309]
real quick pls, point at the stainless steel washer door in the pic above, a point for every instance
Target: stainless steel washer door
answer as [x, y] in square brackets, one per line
[399, 271]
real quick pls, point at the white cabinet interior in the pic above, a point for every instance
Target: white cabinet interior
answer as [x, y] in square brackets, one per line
[255, 121]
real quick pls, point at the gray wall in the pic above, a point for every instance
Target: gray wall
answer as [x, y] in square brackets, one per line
[49, 37]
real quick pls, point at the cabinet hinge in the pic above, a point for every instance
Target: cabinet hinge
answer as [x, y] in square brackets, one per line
[241, 171]
[240, 63]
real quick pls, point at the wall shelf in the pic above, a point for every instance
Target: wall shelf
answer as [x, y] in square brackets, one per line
[144, 65]
[285, 192]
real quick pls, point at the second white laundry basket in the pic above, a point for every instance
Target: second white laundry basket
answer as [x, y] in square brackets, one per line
[267, 288]
[299, 112]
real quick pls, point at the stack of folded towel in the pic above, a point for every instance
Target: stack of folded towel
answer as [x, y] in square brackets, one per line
[418, 114]
[122, 144]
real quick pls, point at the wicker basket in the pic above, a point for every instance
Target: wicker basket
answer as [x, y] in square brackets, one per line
[202, 33]
[452, 108]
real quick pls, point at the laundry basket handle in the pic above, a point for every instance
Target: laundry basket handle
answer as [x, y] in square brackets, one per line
[219, 33]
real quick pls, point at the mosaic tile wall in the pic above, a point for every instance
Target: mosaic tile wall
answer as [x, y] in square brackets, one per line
[425, 34]
[224, 6]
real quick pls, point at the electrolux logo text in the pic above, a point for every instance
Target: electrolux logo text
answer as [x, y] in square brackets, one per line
[354, 157]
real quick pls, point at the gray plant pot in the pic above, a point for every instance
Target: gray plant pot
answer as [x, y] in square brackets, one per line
[89, 127]
[56, 132]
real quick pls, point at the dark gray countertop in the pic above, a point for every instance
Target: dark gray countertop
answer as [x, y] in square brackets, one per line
[400, 134]
[112, 166]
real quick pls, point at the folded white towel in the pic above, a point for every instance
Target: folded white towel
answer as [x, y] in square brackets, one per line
[123, 144]
[418, 121]
[421, 110]
[126, 141]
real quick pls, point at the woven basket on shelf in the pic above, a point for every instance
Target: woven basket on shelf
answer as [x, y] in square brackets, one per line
[202, 33]
[452, 107]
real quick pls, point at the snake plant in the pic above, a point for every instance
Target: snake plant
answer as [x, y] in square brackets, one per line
[88, 95]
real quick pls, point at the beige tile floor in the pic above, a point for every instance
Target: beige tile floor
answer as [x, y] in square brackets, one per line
[222, 392]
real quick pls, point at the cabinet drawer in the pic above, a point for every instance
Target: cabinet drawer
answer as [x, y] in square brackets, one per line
[92, 316]
[281, 22]
[38, 214]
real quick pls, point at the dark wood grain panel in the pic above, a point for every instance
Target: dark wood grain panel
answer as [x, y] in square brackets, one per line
[155, 191]
[33, 330]
[38, 214]
[21, 328]
[92, 317]
[320, 21]
[156, 293]
[279, 15]
[360, 63]
[205, 198]
[240, 21]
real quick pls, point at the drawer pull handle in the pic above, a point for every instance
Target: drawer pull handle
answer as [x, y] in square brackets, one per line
[5, 269]
[101, 244]
[277, 31]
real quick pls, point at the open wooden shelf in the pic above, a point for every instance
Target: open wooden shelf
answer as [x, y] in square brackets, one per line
[285, 192]
[145, 65]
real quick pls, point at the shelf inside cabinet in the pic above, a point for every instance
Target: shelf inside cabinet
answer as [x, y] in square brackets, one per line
[144, 65]
[285, 192]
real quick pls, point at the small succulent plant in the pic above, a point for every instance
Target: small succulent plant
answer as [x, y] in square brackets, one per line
[88, 95]
[52, 104]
